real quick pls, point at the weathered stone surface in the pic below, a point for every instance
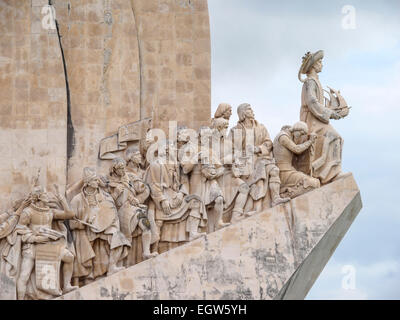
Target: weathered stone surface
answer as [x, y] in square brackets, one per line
[125, 61]
[33, 108]
[276, 254]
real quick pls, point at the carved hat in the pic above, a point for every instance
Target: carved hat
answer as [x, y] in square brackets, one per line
[88, 175]
[37, 193]
[308, 61]
[300, 126]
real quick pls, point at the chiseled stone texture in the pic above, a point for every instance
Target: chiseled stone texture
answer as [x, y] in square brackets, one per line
[132, 59]
[277, 254]
[33, 108]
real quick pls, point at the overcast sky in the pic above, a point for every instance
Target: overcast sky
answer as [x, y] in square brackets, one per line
[257, 47]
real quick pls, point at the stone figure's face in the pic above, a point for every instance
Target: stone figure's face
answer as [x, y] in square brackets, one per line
[318, 66]
[269, 145]
[249, 113]
[94, 183]
[228, 113]
[136, 157]
[44, 197]
[298, 136]
[120, 170]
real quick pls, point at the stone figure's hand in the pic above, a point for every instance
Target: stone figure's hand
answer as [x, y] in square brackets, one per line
[335, 115]
[257, 150]
[313, 137]
[134, 201]
[179, 199]
[76, 225]
[118, 189]
[166, 208]
[41, 239]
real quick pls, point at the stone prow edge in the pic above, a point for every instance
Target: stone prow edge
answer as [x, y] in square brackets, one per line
[306, 273]
[302, 280]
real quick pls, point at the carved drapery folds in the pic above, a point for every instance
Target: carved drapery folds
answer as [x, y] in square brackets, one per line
[163, 193]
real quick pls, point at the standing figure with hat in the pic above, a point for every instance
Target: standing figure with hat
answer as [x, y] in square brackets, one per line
[324, 161]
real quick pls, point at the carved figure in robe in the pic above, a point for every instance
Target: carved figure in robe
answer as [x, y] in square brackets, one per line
[286, 145]
[136, 172]
[325, 162]
[251, 139]
[134, 162]
[9, 257]
[204, 179]
[234, 189]
[178, 215]
[132, 212]
[100, 245]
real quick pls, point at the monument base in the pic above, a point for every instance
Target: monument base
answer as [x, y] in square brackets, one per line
[277, 254]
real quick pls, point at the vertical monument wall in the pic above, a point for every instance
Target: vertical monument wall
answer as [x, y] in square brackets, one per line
[101, 52]
[129, 60]
[33, 109]
[125, 60]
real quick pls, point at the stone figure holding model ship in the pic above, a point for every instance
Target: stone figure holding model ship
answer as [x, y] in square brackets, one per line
[325, 160]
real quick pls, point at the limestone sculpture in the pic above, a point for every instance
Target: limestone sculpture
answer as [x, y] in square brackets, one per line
[178, 215]
[264, 174]
[43, 247]
[131, 211]
[286, 145]
[325, 163]
[99, 243]
[166, 193]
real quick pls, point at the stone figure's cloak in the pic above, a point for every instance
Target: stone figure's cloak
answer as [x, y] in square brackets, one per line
[164, 182]
[328, 148]
[92, 247]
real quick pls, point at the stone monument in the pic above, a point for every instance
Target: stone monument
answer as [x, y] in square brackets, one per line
[108, 104]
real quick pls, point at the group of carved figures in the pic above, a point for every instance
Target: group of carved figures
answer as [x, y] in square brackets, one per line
[51, 244]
